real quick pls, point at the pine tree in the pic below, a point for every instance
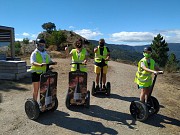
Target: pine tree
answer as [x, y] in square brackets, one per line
[172, 63]
[160, 50]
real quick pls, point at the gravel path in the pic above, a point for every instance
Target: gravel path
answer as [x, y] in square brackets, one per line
[106, 115]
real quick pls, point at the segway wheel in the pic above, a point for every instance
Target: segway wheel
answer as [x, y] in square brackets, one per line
[153, 102]
[93, 91]
[32, 109]
[108, 88]
[138, 110]
[67, 101]
[87, 103]
[55, 105]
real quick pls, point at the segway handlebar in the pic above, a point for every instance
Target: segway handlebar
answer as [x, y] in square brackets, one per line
[49, 64]
[103, 60]
[77, 63]
[159, 72]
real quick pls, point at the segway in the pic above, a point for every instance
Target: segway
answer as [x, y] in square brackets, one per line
[141, 111]
[48, 95]
[107, 89]
[77, 92]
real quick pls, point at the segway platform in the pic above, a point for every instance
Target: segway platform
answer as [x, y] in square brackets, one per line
[101, 90]
[77, 92]
[141, 111]
[48, 98]
[48, 91]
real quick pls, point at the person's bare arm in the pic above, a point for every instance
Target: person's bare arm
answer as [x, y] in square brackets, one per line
[108, 56]
[67, 51]
[95, 49]
[152, 71]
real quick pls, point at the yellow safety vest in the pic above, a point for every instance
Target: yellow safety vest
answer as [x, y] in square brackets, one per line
[98, 58]
[79, 59]
[144, 78]
[39, 59]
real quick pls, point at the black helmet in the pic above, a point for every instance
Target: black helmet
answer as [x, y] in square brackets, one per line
[102, 40]
[147, 49]
[40, 41]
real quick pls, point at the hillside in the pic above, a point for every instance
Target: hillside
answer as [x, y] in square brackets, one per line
[136, 51]
[122, 52]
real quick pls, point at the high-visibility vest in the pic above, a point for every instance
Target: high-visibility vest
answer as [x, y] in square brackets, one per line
[39, 59]
[98, 58]
[144, 78]
[79, 59]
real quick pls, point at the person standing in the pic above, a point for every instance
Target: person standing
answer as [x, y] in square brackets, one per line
[79, 55]
[143, 79]
[102, 52]
[38, 59]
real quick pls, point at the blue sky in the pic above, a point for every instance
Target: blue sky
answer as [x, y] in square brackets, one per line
[131, 22]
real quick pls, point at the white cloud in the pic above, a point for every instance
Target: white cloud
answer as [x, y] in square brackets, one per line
[26, 34]
[34, 36]
[87, 33]
[18, 39]
[171, 36]
[71, 27]
[131, 37]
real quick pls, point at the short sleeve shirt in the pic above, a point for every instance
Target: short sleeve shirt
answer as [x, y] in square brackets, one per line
[43, 54]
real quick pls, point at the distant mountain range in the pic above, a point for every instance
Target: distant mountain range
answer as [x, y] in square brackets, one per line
[134, 53]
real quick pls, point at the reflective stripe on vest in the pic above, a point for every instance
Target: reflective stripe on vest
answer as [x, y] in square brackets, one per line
[39, 69]
[144, 78]
[98, 58]
[79, 59]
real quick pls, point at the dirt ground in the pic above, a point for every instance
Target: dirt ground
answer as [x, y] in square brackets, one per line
[106, 115]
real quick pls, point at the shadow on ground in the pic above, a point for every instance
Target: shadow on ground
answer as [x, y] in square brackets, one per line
[116, 96]
[81, 126]
[8, 85]
[105, 114]
[159, 120]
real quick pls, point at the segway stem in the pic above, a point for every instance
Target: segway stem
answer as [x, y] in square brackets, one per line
[47, 65]
[154, 81]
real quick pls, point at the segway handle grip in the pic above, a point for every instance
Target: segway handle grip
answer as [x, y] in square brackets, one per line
[77, 63]
[159, 72]
[52, 63]
[103, 59]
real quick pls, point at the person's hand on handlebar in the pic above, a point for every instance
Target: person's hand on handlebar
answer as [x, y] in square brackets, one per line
[158, 72]
[43, 64]
[84, 62]
[107, 59]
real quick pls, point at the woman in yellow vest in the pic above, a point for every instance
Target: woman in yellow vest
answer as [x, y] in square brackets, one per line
[79, 55]
[101, 52]
[39, 58]
[146, 67]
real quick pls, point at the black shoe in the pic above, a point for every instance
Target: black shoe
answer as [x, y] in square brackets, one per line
[104, 87]
[97, 87]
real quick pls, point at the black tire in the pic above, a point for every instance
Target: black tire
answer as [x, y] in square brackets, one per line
[138, 110]
[68, 101]
[153, 102]
[32, 109]
[87, 101]
[108, 88]
[55, 105]
[93, 91]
